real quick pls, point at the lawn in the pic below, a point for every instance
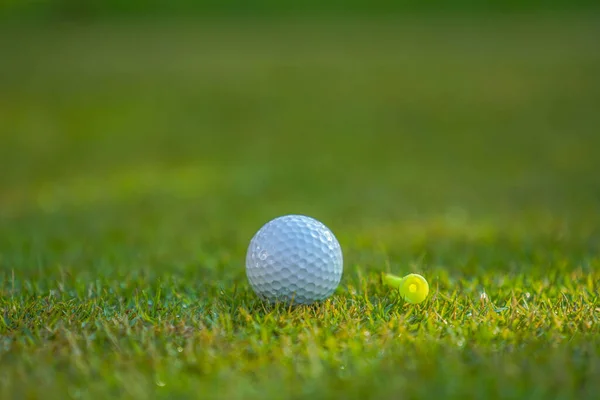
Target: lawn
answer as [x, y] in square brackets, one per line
[138, 158]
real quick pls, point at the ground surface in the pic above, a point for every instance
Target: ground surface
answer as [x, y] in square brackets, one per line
[138, 159]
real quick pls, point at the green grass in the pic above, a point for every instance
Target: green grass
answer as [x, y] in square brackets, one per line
[138, 159]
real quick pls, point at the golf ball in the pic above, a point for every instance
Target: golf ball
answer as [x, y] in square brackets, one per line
[294, 259]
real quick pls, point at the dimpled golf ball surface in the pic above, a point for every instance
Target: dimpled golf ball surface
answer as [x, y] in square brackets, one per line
[294, 258]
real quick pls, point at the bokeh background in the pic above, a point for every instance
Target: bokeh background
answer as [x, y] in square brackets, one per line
[161, 135]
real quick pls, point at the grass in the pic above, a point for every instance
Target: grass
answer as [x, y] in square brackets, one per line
[139, 158]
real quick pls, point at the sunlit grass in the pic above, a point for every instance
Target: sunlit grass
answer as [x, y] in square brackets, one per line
[144, 333]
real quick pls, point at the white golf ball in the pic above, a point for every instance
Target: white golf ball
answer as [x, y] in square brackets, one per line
[294, 259]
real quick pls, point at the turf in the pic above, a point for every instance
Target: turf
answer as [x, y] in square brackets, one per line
[139, 158]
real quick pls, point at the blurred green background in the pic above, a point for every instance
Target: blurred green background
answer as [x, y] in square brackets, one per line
[95, 8]
[203, 129]
[210, 118]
